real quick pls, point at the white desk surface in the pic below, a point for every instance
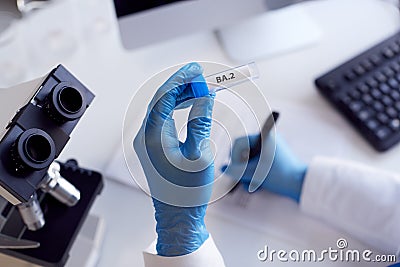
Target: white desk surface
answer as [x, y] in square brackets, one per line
[114, 74]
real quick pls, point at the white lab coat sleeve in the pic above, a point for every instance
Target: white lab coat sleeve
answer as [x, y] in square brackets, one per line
[358, 199]
[207, 255]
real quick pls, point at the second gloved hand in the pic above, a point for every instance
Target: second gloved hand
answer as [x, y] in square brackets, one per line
[286, 174]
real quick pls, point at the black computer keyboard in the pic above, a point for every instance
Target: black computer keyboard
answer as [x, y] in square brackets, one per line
[366, 89]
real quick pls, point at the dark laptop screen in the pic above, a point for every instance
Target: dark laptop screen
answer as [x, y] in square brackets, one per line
[127, 7]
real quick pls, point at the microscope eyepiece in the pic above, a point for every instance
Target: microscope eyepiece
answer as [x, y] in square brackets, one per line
[70, 100]
[34, 149]
[65, 103]
[37, 148]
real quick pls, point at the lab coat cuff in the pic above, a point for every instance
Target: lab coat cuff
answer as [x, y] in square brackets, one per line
[317, 179]
[206, 255]
[356, 198]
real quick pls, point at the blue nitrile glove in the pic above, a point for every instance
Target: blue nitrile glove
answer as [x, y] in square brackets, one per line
[285, 176]
[179, 175]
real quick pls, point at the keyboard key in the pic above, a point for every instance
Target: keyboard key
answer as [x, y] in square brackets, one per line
[367, 64]
[387, 100]
[382, 133]
[376, 59]
[346, 100]
[392, 112]
[393, 83]
[355, 94]
[355, 106]
[362, 88]
[387, 52]
[363, 115]
[359, 70]
[382, 118]
[350, 75]
[372, 124]
[367, 99]
[395, 67]
[397, 105]
[331, 85]
[379, 76]
[384, 88]
[395, 124]
[376, 93]
[378, 106]
[373, 83]
[388, 72]
[395, 95]
[395, 48]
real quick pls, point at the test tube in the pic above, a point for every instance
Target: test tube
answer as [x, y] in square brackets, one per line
[224, 79]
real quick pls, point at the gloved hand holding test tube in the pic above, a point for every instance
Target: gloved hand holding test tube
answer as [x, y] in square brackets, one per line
[224, 79]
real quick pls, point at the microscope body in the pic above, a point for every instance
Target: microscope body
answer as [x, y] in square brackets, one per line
[36, 121]
[43, 114]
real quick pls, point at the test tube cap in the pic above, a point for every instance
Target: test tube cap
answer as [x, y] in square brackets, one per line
[199, 86]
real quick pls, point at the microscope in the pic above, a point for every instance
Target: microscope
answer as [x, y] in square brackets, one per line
[43, 203]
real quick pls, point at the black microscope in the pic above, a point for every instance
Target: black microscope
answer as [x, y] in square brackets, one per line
[43, 203]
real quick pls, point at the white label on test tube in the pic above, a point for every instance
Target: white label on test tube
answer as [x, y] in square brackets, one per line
[231, 77]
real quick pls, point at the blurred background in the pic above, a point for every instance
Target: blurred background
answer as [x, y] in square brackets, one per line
[115, 46]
